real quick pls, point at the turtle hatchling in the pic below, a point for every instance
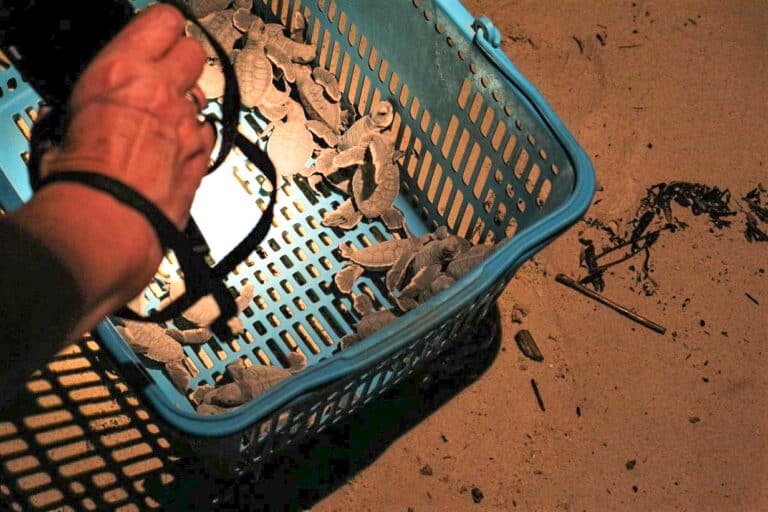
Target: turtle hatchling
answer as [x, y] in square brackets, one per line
[291, 145]
[151, 341]
[441, 283]
[298, 27]
[346, 277]
[203, 312]
[394, 255]
[158, 344]
[324, 162]
[250, 382]
[439, 252]
[211, 80]
[281, 60]
[298, 52]
[252, 67]
[219, 25]
[370, 322]
[212, 410]
[377, 120]
[380, 256]
[351, 157]
[466, 261]
[323, 132]
[420, 283]
[275, 103]
[376, 184]
[202, 8]
[315, 103]
[393, 218]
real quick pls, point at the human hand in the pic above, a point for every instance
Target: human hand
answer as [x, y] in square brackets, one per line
[134, 114]
[130, 119]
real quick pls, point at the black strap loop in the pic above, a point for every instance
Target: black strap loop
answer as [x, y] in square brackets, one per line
[197, 275]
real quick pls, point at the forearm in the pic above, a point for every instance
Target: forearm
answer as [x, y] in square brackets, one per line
[67, 258]
[109, 248]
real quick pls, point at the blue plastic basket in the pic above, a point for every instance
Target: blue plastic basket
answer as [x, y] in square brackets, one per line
[489, 159]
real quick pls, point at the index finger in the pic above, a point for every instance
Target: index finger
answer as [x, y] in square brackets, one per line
[151, 34]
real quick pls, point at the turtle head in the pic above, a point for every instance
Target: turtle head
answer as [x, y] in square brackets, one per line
[256, 30]
[442, 233]
[451, 247]
[382, 114]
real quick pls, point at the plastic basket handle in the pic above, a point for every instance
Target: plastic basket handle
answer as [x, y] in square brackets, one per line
[488, 39]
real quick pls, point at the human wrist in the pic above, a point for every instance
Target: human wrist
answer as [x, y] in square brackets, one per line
[110, 248]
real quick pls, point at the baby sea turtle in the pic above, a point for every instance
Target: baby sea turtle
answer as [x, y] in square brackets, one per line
[380, 256]
[243, 18]
[351, 157]
[370, 322]
[151, 341]
[344, 217]
[466, 261]
[212, 410]
[377, 120]
[362, 304]
[291, 145]
[439, 252]
[394, 255]
[203, 312]
[315, 103]
[376, 184]
[250, 382]
[253, 69]
[202, 8]
[158, 344]
[196, 336]
[243, 4]
[179, 375]
[441, 283]
[298, 52]
[346, 277]
[220, 25]
[420, 282]
[328, 82]
[198, 395]
[324, 162]
[393, 218]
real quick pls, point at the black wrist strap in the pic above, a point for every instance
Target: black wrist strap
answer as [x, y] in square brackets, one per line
[197, 275]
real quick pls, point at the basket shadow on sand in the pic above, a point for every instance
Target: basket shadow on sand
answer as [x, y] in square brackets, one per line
[301, 476]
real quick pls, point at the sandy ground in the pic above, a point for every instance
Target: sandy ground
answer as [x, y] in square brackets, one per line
[634, 420]
[688, 78]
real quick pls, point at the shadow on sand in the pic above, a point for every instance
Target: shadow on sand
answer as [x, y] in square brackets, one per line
[298, 478]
